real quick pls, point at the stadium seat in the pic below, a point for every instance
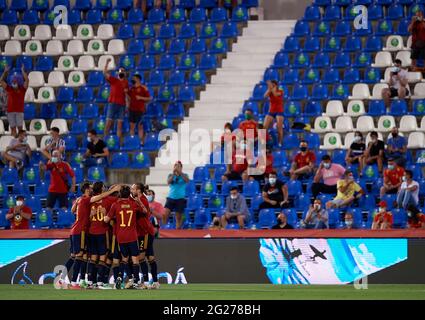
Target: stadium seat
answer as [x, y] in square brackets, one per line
[416, 140]
[65, 219]
[331, 141]
[383, 59]
[69, 111]
[365, 124]
[386, 123]
[360, 91]
[229, 30]
[197, 15]
[105, 32]
[177, 15]
[266, 218]
[44, 220]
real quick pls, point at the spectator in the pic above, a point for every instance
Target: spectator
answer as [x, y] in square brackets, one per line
[176, 200]
[355, 154]
[215, 224]
[60, 172]
[348, 220]
[249, 126]
[157, 209]
[393, 177]
[20, 215]
[227, 140]
[235, 208]
[18, 152]
[375, 152]
[275, 193]
[97, 152]
[264, 165]
[330, 173]
[276, 109]
[416, 219]
[117, 98]
[417, 28]
[397, 147]
[15, 99]
[303, 164]
[242, 157]
[317, 217]
[408, 193]
[54, 143]
[282, 222]
[383, 220]
[398, 84]
[139, 95]
[348, 191]
[267, 139]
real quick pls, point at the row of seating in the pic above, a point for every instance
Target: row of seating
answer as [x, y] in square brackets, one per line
[44, 219]
[344, 3]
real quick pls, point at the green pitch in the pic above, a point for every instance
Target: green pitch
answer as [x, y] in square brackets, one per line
[219, 292]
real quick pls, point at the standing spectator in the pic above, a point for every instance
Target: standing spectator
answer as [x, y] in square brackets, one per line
[355, 154]
[117, 98]
[276, 109]
[416, 219]
[226, 139]
[398, 84]
[282, 222]
[59, 187]
[397, 147]
[139, 95]
[383, 220]
[176, 200]
[375, 152]
[54, 143]
[393, 177]
[15, 100]
[348, 191]
[348, 220]
[303, 164]
[408, 193]
[330, 173]
[275, 193]
[316, 217]
[417, 28]
[157, 208]
[20, 215]
[235, 208]
[242, 157]
[249, 126]
[18, 151]
[97, 152]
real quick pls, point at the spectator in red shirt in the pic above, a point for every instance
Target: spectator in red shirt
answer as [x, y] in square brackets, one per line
[139, 95]
[241, 159]
[416, 219]
[249, 126]
[15, 100]
[303, 164]
[383, 220]
[417, 28]
[60, 171]
[117, 98]
[276, 108]
[393, 177]
[20, 215]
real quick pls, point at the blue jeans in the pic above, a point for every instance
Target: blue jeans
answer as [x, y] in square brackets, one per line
[404, 198]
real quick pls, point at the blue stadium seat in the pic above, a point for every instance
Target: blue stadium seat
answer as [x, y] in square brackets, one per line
[127, 61]
[167, 62]
[79, 126]
[289, 76]
[177, 15]
[334, 218]
[202, 218]
[134, 16]
[292, 109]
[146, 31]
[25, 61]
[156, 46]
[291, 44]
[34, 202]
[208, 30]
[319, 92]
[402, 28]
[398, 108]
[332, 13]
[208, 62]
[342, 29]
[29, 111]
[208, 188]
[194, 202]
[167, 31]
[321, 60]
[239, 14]
[177, 46]
[266, 218]
[198, 15]
[338, 156]
[41, 189]
[218, 15]
[44, 64]
[313, 109]
[313, 139]
[229, 30]
[186, 94]
[40, 5]
[30, 17]
[281, 60]
[65, 219]
[146, 63]
[251, 188]
[399, 218]
[291, 141]
[94, 17]
[140, 160]
[83, 5]
[353, 44]
[44, 220]
[130, 143]
[197, 46]
[311, 76]
[85, 95]
[151, 142]
[300, 92]
[48, 111]
[362, 32]
[21, 187]
[218, 46]
[187, 31]
[74, 17]
[197, 78]
[70, 142]
[301, 60]
[373, 44]
[271, 74]
[390, 199]
[9, 17]
[259, 91]
[124, 4]
[278, 158]
[69, 111]
[384, 28]
[375, 12]
[103, 5]
[95, 79]
[125, 31]
[96, 174]
[119, 160]
[156, 15]
[112, 141]
[156, 78]
[414, 8]
[322, 29]
[89, 111]
[340, 92]
[418, 107]
[351, 75]
[376, 108]
[370, 173]
[342, 60]
[135, 47]
[362, 60]
[177, 78]
[312, 13]
[312, 44]
[201, 174]
[301, 29]
[351, 12]
[18, 5]
[114, 16]
[65, 3]
[175, 111]
[165, 94]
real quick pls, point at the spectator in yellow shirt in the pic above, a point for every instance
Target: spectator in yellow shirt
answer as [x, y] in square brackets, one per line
[348, 191]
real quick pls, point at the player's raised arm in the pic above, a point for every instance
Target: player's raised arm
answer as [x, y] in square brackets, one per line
[103, 195]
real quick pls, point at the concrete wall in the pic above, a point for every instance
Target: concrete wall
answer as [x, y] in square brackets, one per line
[284, 9]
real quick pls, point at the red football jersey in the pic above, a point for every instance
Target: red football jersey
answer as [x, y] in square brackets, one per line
[138, 105]
[124, 211]
[118, 89]
[82, 216]
[144, 224]
[100, 209]
[276, 102]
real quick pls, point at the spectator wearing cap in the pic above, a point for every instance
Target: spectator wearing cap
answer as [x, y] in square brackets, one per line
[348, 191]
[282, 222]
[383, 220]
[416, 219]
[20, 215]
[330, 173]
[97, 151]
[18, 152]
[15, 99]
[54, 143]
[375, 152]
[393, 177]
[236, 207]
[408, 193]
[303, 164]
[397, 147]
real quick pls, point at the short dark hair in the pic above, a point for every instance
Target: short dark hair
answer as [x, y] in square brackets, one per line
[347, 172]
[20, 197]
[125, 192]
[98, 187]
[234, 188]
[275, 82]
[272, 173]
[358, 133]
[150, 190]
[374, 133]
[409, 173]
[140, 186]
[138, 76]
[249, 110]
[398, 61]
[326, 157]
[93, 132]
[84, 186]
[55, 129]
[228, 124]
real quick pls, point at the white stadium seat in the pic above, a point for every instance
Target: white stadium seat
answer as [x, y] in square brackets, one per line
[75, 48]
[377, 91]
[22, 32]
[95, 47]
[394, 43]
[12, 48]
[344, 124]
[1, 127]
[33, 48]
[36, 79]
[4, 142]
[66, 63]
[408, 123]
[63, 32]
[419, 91]
[355, 108]
[102, 61]
[29, 95]
[386, 123]
[42, 32]
[360, 91]
[422, 126]
[54, 48]
[116, 47]
[60, 124]
[85, 32]
[105, 32]
[331, 141]
[322, 124]
[86, 63]
[32, 142]
[348, 140]
[38, 127]
[43, 142]
[414, 77]
[416, 140]
[45, 95]
[4, 32]
[383, 59]
[76, 79]
[365, 124]
[334, 108]
[404, 56]
[56, 79]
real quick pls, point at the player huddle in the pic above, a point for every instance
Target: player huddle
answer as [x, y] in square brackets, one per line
[114, 230]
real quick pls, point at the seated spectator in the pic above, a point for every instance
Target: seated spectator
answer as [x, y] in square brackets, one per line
[20, 215]
[264, 165]
[408, 193]
[275, 193]
[374, 153]
[397, 147]
[235, 208]
[398, 84]
[330, 173]
[303, 164]
[355, 154]
[282, 222]
[416, 219]
[18, 152]
[157, 209]
[215, 224]
[348, 220]
[97, 152]
[393, 177]
[55, 142]
[241, 159]
[348, 191]
[249, 126]
[317, 217]
[383, 220]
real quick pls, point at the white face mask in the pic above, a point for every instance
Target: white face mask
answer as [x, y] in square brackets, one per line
[404, 178]
[88, 139]
[14, 85]
[382, 209]
[326, 165]
[357, 139]
[348, 223]
[150, 198]
[55, 159]
[19, 203]
[272, 180]
[233, 196]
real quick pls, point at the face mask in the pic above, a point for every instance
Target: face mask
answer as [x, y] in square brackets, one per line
[374, 140]
[395, 134]
[248, 116]
[350, 177]
[382, 209]
[404, 179]
[88, 139]
[55, 159]
[24, 140]
[150, 198]
[357, 139]
[121, 75]
[272, 180]
[303, 149]
[348, 223]
[19, 203]
[326, 165]
[390, 167]
[14, 85]
[409, 214]
[233, 196]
